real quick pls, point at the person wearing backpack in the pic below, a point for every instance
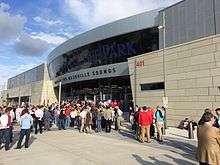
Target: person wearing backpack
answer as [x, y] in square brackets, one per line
[159, 116]
[26, 121]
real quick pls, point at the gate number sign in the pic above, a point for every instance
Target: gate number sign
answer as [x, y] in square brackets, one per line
[140, 63]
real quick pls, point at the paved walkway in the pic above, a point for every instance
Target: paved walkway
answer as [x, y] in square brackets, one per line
[68, 147]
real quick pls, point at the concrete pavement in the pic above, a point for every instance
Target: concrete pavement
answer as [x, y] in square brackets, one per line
[68, 147]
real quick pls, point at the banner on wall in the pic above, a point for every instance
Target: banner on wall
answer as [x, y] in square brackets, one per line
[113, 70]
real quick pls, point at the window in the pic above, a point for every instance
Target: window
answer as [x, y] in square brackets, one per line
[109, 51]
[152, 86]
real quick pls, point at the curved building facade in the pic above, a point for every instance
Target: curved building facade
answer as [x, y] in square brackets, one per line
[93, 65]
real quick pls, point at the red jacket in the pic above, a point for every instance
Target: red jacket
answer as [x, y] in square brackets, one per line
[145, 118]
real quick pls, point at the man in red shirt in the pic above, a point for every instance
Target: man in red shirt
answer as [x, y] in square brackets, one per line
[67, 112]
[145, 120]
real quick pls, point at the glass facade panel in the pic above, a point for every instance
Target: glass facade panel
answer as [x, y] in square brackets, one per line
[109, 51]
[33, 75]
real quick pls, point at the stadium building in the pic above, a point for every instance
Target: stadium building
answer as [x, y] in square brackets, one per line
[167, 56]
[94, 65]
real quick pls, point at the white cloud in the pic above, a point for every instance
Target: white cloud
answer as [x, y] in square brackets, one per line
[10, 25]
[4, 6]
[50, 38]
[29, 46]
[48, 22]
[92, 13]
[4, 57]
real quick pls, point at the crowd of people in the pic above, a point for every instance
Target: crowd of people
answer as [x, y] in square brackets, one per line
[88, 117]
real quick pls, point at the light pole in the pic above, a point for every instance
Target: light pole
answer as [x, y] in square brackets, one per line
[164, 67]
[19, 97]
[135, 83]
[29, 99]
[60, 86]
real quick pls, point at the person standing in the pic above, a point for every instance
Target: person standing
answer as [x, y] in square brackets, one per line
[47, 118]
[99, 120]
[11, 116]
[118, 118]
[39, 113]
[83, 120]
[217, 123]
[136, 124]
[208, 151]
[18, 112]
[67, 113]
[108, 119]
[56, 115]
[62, 119]
[159, 117]
[145, 120]
[5, 122]
[73, 115]
[26, 121]
[88, 121]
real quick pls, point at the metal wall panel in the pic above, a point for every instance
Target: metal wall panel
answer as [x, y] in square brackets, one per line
[217, 15]
[187, 21]
[32, 75]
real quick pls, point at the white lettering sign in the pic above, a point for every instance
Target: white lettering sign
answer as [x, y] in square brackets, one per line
[113, 70]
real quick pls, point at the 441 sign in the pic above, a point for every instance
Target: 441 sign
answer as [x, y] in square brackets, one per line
[140, 63]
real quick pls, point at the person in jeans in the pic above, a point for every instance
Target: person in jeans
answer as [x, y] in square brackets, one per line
[26, 122]
[98, 120]
[62, 119]
[145, 120]
[5, 122]
[159, 116]
[12, 116]
[108, 118]
[67, 112]
[73, 115]
[136, 123]
[47, 119]
[39, 113]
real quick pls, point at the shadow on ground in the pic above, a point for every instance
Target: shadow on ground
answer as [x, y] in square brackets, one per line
[157, 161]
[16, 135]
[185, 148]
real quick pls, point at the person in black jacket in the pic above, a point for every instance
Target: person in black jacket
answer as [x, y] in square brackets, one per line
[136, 125]
[217, 122]
[62, 118]
[47, 118]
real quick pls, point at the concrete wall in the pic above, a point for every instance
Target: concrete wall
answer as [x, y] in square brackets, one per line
[192, 78]
[151, 72]
[3, 96]
[39, 91]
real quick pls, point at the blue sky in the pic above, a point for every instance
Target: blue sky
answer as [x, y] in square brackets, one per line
[31, 29]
